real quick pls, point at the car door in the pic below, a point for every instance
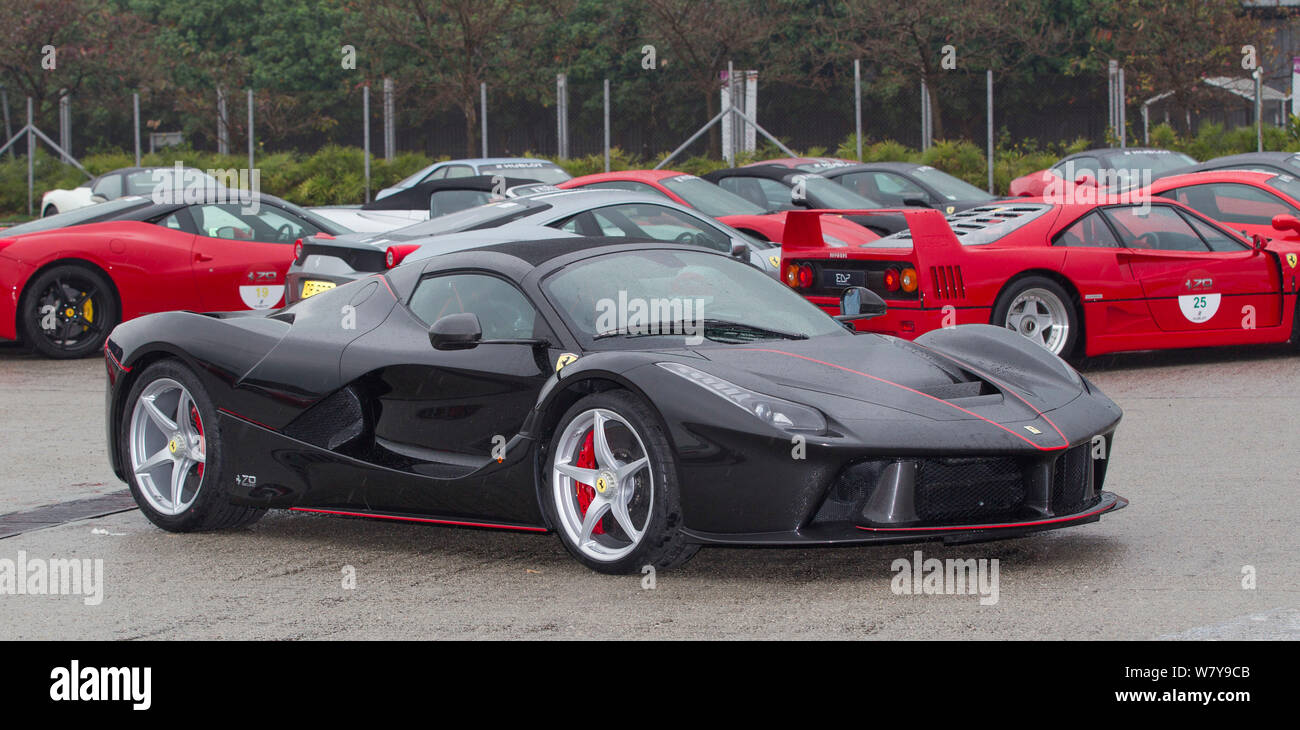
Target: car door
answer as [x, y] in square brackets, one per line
[241, 254]
[1193, 275]
[448, 413]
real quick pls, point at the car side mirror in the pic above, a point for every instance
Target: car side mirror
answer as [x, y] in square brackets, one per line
[460, 331]
[98, 198]
[859, 302]
[916, 202]
[739, 249]
[1286, 223]
[1258, 242]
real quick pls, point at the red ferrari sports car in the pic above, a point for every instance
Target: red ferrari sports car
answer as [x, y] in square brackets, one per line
[715, 202]
[1098, 166]
[1091, 278]
[68, 279]
[1255, 203]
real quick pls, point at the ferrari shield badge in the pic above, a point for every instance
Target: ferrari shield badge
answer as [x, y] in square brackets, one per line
[1199, 308]
[1291, 260]
[565, 359]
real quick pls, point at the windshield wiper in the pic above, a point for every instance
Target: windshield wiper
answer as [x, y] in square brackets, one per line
[678, 328]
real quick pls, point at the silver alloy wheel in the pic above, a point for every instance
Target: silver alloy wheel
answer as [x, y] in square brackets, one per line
[167, 452]
[621, 485]
[1042, 317]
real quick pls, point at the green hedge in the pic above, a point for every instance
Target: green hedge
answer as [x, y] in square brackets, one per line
[334, 175]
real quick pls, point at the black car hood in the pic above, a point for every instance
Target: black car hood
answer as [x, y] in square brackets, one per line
[868, 375]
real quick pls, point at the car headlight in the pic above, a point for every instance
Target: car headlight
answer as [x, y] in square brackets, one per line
[778, 412]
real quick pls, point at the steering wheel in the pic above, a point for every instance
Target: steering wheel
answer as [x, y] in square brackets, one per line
[685, 237]
[284, 233]
[1148, 240]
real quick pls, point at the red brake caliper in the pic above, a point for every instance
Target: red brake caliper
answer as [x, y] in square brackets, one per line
[586, 492]
[198, 424]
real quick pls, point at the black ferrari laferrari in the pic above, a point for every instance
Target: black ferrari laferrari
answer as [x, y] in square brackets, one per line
[638, 399]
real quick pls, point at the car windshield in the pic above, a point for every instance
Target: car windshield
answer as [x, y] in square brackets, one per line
[478, 217]
[836, 196]
[543, 172]
[674, 298]
[948, 186]
[88, 214]
[146, 182]
[419, 175]
[708, 198]
[1157, 161]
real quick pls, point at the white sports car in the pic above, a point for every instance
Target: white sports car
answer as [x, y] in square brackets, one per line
[113, 185]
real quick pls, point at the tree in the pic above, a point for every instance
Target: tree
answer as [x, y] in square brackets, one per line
[444, 50]
[1170, 46]
[906, 40]
[93, 45]
[694, 40]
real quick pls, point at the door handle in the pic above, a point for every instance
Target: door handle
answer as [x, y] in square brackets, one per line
[201, 257]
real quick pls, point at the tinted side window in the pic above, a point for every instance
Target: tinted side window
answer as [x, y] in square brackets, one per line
[109, 186]
[1089, 230]
[502, 310]
[1161, 228]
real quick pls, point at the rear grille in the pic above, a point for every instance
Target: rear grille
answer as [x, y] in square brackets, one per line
[948, 283]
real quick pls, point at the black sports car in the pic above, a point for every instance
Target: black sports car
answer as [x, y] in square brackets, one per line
[640, 399]
[909, 183]
[777, 187]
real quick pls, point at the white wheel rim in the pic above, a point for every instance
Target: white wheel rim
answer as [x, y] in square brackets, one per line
[1040, 316]
[620, 485]
[167, 447]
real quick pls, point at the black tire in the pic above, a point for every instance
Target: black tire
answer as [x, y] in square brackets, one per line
[662, 544]
[1071, 311]
[81, 317]
[49, 211]
[211, 508]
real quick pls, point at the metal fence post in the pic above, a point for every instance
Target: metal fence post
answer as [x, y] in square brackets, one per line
[135, 114]
[988, 80]
[390, 144]
[365, 133]
[606, 125]
[482, 115]
[31, 153]
[925, 116]
[1259, 110]
[65, 124]
[857, 104]
[9, 134]
[562, 116]
[250, 131]
[1122, 108]
[223, 130]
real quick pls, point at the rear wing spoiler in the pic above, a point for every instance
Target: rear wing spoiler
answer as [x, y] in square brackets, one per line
[930, 231]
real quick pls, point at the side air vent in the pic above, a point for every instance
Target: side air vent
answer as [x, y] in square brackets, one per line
[331, 423]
